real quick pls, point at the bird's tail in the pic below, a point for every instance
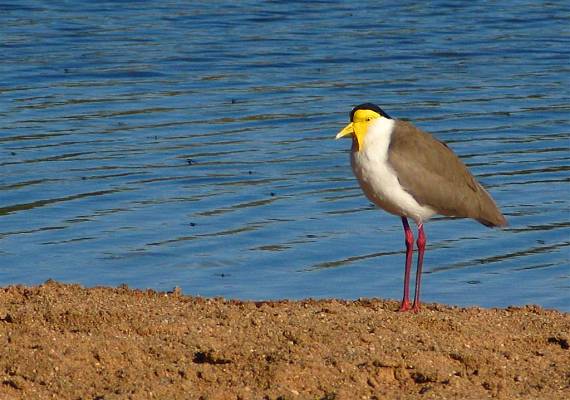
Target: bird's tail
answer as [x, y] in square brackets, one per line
[489, 213]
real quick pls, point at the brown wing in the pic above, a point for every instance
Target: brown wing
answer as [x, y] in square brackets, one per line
[436, 177]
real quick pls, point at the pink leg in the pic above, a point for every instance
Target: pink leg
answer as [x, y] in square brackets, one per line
[421, 248]
[409, 250]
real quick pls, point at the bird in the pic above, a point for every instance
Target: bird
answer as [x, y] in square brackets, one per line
[409, 173]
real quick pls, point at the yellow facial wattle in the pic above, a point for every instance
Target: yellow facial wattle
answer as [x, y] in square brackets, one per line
[358, 127]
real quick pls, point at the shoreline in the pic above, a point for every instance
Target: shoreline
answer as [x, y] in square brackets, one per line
[67, 341]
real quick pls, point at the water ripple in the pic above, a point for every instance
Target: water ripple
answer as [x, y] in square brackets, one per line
[170, 144]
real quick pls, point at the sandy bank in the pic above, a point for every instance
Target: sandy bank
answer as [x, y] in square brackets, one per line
[67, 342]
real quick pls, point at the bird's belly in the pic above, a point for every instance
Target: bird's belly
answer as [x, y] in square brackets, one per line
[380, 184]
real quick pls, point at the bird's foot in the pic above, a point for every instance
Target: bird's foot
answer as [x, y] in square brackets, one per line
[405, 306]
[416, 308]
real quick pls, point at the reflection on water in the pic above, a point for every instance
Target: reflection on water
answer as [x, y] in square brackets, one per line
[163, 144]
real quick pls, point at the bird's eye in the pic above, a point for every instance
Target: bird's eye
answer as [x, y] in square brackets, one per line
[368, 119]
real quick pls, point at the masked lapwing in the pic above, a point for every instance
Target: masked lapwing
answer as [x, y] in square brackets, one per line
[409, 173]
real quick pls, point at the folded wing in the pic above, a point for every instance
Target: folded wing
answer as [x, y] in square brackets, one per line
[436, 177]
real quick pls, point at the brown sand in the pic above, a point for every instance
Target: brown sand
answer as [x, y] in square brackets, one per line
[67, 342]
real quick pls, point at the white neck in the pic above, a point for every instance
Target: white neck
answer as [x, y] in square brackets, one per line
[377, 138]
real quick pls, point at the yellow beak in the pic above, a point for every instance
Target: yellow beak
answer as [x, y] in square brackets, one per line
[348, 130]
[356, 130]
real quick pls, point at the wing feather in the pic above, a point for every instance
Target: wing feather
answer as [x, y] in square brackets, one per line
[430, 171]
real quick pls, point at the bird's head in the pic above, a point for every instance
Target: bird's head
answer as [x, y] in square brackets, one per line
[361, 118]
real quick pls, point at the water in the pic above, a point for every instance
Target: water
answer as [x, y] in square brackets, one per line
[162, 144]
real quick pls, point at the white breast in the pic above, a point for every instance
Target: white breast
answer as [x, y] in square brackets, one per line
[378, 180]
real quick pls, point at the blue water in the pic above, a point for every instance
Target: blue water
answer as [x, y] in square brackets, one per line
[190, 144]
